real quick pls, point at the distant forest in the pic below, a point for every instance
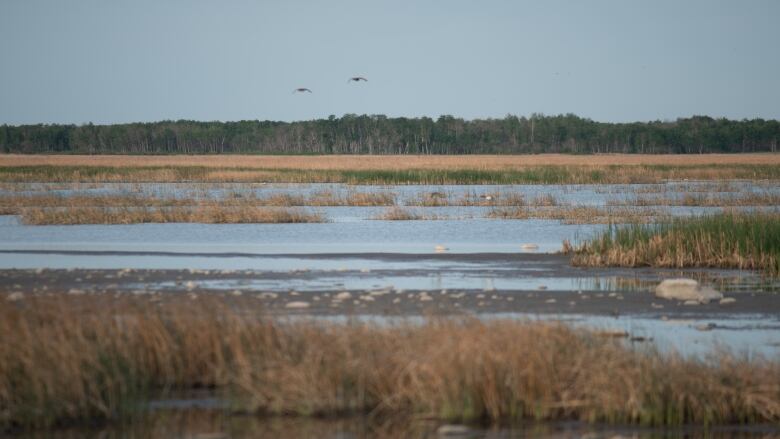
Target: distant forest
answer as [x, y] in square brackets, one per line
[376, 134]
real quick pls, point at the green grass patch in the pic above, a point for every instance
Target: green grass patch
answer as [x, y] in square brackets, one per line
[726, 240]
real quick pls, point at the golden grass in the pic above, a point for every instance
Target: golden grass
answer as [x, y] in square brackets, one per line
[209, 214]
[577, 214]
[83, 358]
[388, 162]
[701, 200]
[400, 214]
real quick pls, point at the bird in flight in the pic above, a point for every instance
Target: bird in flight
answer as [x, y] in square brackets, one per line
[301, 90]
[357, 79]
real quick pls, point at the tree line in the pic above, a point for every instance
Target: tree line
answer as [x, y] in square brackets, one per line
[377, 134]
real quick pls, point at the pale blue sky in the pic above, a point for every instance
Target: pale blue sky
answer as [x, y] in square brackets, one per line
[144, 60]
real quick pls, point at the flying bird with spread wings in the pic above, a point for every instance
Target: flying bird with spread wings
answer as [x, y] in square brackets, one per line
[357, 79]
[301, 90]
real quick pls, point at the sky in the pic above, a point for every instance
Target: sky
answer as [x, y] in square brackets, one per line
[103, 61]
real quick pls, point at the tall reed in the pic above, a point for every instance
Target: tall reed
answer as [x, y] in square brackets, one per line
[727, 240]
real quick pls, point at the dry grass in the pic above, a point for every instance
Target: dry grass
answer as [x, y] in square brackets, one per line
[209, 214]
[16, 204]
[388, 162]
[577, 214]
[400, 214]
[700, 200]
[728, 240]
[82, 358]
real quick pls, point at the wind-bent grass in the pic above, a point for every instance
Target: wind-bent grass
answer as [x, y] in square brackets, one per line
[209, 214]
[84, 358]
[520, 174]
[727, 240]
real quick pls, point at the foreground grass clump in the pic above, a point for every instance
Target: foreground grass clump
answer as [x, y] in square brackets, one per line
[727, 240]
[88, 357]
[213, 214]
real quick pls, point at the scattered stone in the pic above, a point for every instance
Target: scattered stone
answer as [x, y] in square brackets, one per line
[365, 270]
[39, 271]
[727, 300]
[705, 327]
[236, 293]
[691, 303]
[542, 287]
[268, 295]
[612, 295]
[424, 297]
[656, 305]
[75, 292]
[686, 290]
[190, 285]
[294, 293]
[368, 298]
[397, 300]
[550, 301]
[297, 305]
[344, 295]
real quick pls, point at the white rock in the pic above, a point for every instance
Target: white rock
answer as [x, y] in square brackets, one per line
[236, 292]
[550, 301]
[440, 249]
[727, 300]
[529, 247]
[190, 285]
[297, 305]
[268, 295]
[344, 295]
[691, 302]
[75, 292]
[13, 297]
[367, 298]
[686, 290]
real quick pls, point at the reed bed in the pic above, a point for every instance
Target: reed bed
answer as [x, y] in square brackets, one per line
[468, 174]
[347, 162]
[66, 358]
[400, 214]
[700, 200]
[208, 214]
[577, 214]
[726, 240]
[14, 204]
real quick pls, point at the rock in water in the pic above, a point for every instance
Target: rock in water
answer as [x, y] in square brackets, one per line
[686, 290]
[297, 305]
[453, 430]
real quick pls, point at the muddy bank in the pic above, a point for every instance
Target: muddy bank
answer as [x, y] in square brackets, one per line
[602, 292]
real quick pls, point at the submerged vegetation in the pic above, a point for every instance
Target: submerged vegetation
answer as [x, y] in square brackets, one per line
[113, 353]
[727, 240]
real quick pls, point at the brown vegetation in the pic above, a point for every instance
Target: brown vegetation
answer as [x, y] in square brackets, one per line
[577, 214]
[88, 357]
[388, 162]
[700, 200]
[212, 214]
